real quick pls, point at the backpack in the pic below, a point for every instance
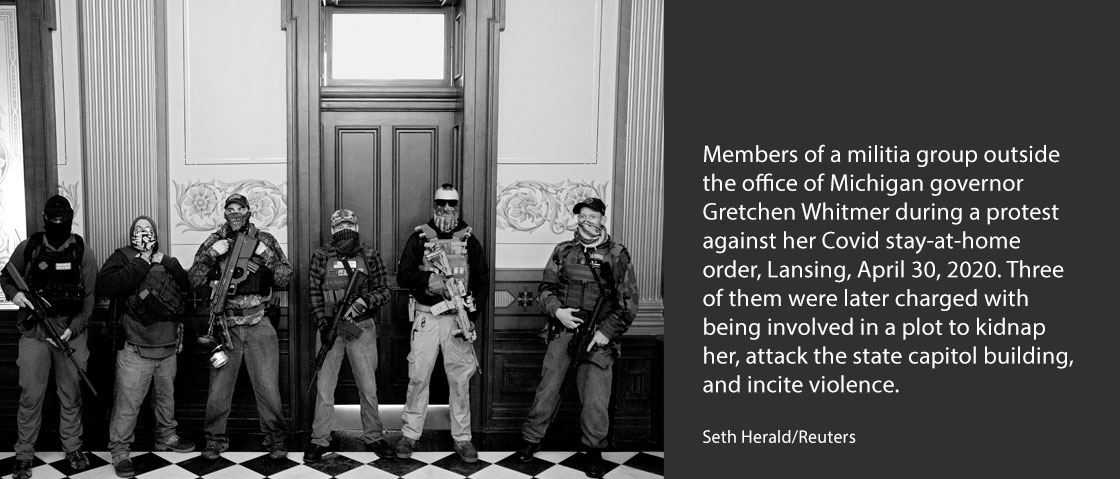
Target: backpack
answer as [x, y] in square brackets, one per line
[158, 298]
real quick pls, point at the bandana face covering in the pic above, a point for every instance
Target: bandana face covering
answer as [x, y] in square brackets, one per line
[237, 221]
[345, 241]
[445, 210]
[446, 222]
[590, 233]
[143, 238]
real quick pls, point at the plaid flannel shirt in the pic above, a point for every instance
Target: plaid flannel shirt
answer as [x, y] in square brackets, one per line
[375, 291]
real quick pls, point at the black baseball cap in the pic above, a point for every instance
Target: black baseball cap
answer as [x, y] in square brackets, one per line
[58, 210]
[236, 198]
[590, 202]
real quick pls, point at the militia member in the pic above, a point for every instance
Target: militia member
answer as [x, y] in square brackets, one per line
[569, 291]
[253, 337]
[434, 324]
[63, 269]
[146, 287]
[355, 336]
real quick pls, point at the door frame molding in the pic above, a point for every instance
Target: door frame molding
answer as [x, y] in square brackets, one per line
[35, 19]
[300, 19]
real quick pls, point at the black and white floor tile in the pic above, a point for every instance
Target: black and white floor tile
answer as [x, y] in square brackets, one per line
[345, 465]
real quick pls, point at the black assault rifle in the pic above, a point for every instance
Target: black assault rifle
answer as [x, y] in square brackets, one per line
[340, 309]
[39, 309]
[238, 267]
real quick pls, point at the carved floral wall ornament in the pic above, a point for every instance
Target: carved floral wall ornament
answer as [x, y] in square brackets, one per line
[530, 204]
[71, 193]
[199, 203]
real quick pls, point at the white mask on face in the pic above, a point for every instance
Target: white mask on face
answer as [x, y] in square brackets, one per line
[143, 238]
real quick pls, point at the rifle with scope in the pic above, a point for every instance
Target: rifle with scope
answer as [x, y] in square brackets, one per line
[239, 265]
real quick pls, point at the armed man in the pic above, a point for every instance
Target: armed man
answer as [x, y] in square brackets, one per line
[444, 267]
[590, 293]
[250, 334]
[58, 266]
[348, 282]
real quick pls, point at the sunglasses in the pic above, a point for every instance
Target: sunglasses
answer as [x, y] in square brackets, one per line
[442, 203]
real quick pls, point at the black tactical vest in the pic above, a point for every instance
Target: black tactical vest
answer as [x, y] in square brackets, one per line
[157, 298]
[579, 289]
[57, 275]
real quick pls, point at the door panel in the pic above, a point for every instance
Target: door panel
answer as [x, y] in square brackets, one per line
[385, 166]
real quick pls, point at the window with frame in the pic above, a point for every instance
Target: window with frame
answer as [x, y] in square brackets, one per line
[388, 47]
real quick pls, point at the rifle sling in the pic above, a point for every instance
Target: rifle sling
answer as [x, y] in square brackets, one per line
[595, 274]
[350, 273]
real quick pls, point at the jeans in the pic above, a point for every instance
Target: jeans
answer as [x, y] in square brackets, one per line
[134, 375]
[429, 334]
[36, 358]
[593, 380]
[362, 353]
[258, 346]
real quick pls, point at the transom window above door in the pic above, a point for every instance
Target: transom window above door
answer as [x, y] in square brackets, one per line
[388, 47]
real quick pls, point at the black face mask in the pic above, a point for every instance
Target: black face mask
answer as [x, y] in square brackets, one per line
[345, 241]
[57, 232]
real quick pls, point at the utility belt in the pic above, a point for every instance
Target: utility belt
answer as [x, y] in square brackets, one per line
[231, 316]
[441, 308]
[151, 352]
[229, 313]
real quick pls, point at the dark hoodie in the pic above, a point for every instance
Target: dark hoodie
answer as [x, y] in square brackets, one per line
[123, 273]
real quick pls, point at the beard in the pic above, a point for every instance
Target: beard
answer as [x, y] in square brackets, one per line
[237, 221]
[345, 241]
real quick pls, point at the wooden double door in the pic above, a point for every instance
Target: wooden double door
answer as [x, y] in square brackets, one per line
[385, 166]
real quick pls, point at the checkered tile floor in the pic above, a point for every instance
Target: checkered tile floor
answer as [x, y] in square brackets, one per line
[345, 465]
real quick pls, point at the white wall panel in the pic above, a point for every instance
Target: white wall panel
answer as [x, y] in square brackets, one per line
[556, 119]
[226, 117]
[12, 216]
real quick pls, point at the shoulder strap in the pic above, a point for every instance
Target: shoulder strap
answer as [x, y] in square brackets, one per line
[595, 274]
[34, 242]
[427, 232]
[81, 245]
